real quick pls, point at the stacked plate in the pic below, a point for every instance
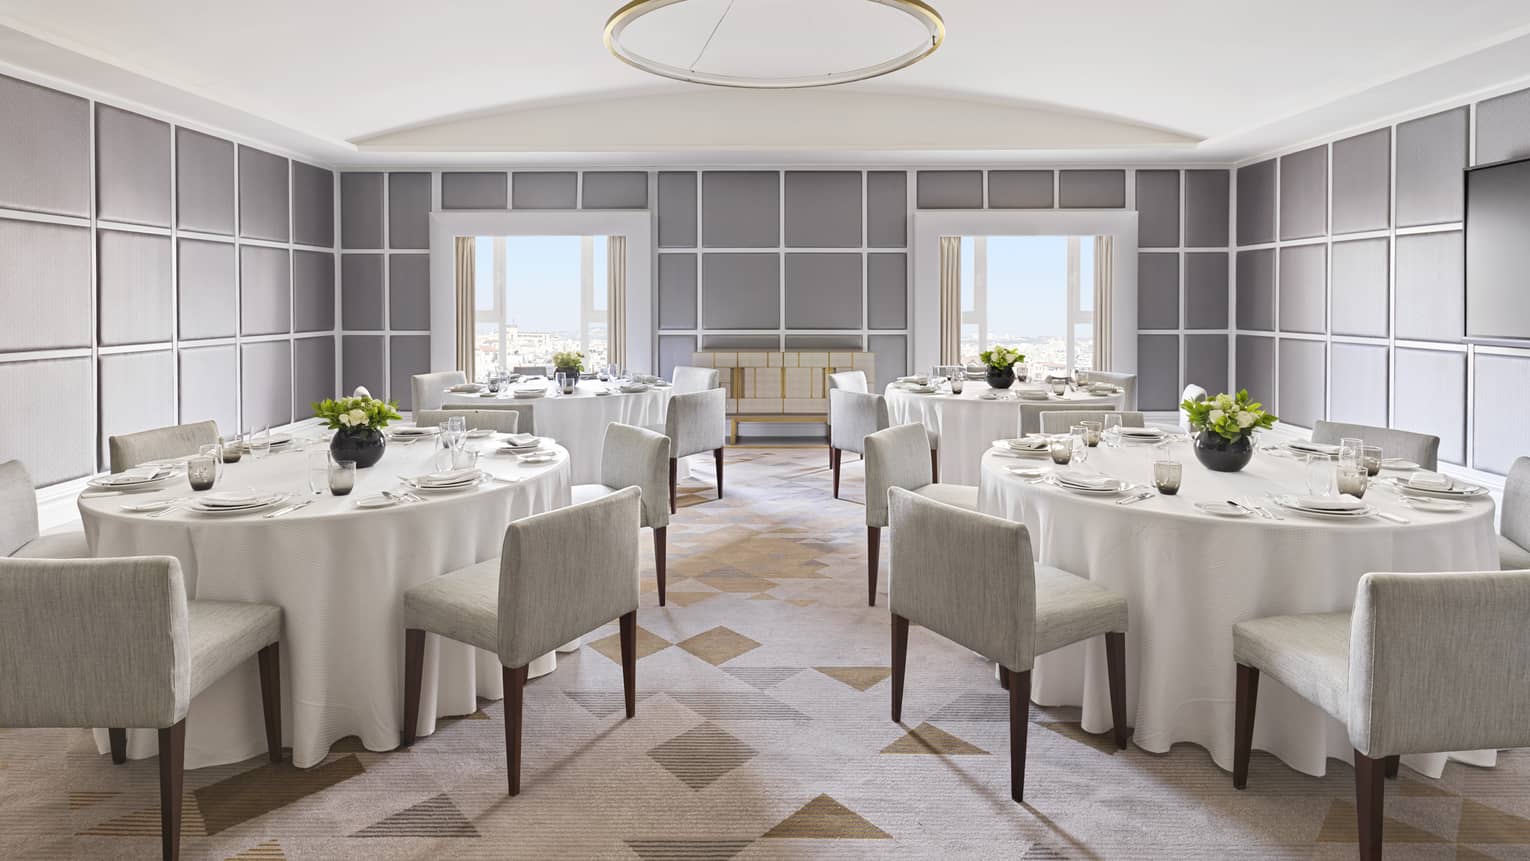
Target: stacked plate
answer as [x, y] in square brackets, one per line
[465, 388]
[526, 392]
[1104, 389]
[1429, 484]
[1084, 482]
[236, 502]
[1034, 395]
[412, 433]
[1031, 446]
[138, 478]
[522, 443]
[918, 389]
[916, 379]
[1336, 507]
[633, 388]
[1142, 434]
[1305, 447]
[446, 482]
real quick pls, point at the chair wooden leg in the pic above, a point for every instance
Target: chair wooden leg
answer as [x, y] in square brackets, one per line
[660, 548]
[1115, 670]
[628, 624]
[873, 559]
[1394, 764]
[831, 456]
[270, 660]
[1003, 678]
[1243, 723]
[172, 770]
[118, 735]
[899, 663]
[835, 456]
[674, 474]
[934, 465]
[1370, 787]
[717, 454]
[414, 670]
[1019, 730]
[515, 696]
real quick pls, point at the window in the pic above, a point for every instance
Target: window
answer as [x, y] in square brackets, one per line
[1035, 293]
[536, 296]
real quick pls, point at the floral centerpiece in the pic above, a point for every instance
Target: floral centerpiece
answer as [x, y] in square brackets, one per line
[358, 423]
[1225, 426]
[1001, 362]
[569, 362]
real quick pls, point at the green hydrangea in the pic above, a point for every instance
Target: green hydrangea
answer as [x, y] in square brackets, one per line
[999, 357]
[1231, 417]
[348, 413]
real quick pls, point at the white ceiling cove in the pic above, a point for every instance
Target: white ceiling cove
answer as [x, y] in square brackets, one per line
[514, 80]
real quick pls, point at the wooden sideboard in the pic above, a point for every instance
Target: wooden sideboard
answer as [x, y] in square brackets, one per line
[789, 386]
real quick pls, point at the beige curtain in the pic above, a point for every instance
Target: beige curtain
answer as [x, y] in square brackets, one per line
[950, 300]
[1104, 276]
[466, 305]
[616, 299]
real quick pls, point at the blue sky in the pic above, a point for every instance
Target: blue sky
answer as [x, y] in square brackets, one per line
[1028, 281]
[542, 279]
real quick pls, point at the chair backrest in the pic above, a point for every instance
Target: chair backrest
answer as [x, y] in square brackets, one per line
[531, 370]
[853, 415]
[850, 381]
[1421, 448]
[504, 421]
[131, 449]
[18, 507]
[567, 572]
[689, 379]
[1059, 421]
[528, 415]
[1127, 382]
[1192, 392]
[637, 457]
[93, 642]
[1515, 517]
[966, 576]
[428, 388]
[696, 422]
[1439, 662]
[898, 456]
[1030, 414]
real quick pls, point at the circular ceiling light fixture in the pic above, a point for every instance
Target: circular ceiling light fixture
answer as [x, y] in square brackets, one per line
[747, 58]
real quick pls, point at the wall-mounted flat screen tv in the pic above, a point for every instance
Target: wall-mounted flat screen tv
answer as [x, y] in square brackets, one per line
[1498, 251]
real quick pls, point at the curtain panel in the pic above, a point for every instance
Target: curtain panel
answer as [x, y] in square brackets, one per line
[950, 300]
[1104, 327]
[616, 300]
[466, 305]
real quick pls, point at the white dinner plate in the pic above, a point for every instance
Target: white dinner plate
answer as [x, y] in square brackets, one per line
[1222, 509]
[634, 389]
[1399, 463]
[1324, 449]
[601, 393]
[446, 488]
[1458, 490]
[1114, 485]
[220, 511]
[1290, 504]
[527, 394]
[419, 430]
[539, 457]
[480, 433]
[149, 505]
[118, 482]
[1141, 433]
[1002, 450]
[1028, 471]
[1439, 506]
[377, 500]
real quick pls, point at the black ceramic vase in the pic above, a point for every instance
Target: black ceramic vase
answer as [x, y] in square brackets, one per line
[1001, 378]
[1219, 454]
[363, 445]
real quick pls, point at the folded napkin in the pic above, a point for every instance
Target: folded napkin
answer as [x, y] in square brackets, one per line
[234, 498]
[1330, 503]
[451, 476]
[521, 440]
[1314, 447]
[136, 475]
[1104, 388]
[1141, 431]
[1033, 396]
[918, 379]
[1028, 444]
[466, 387]
[1084, 479]
[1426, 480]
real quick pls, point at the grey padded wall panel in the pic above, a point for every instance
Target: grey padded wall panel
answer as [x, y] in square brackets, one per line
[1358, 380]
[1255, 368]
[738, 342]
[313, 291]
[132, 168]
[1430, 393]
[1362, 182]
[1256, 289]
[1303, 297]
[67, 450]
[741, 291]
[1256, 203]
[475, 190]
[544, 190]
[409, 210]
[1430, 286]
[886, 209]
[1430, 155]
[891, 352]
[1302, 375]
[823, 209]
[407, 355]
[675, 350]
[313, 373]
[313, 205]
[361, 292]
[204, 183]
[49, 260]
[823, 342]
[1157, 208]
[361, 210]
[1206, 362]
[1020, 189]
[677, 291]
[1503, 128]
[1206, 290]
[264, 209]
[1207, 197]
[44, 149]
[265, 291]
[1304, 193]
[206, 390]
[1091, 189]
[677, 209]
[949, 189]
[362, 364]
[137, 392]
[1501, 431]
[265, 383]
[409, 291]
[134, 287]
[615, 189]
[1157, 290]
[1358, 300]
[208, 273]
[740, 209]
[1157, 372]
[886, 290]
[823, 291]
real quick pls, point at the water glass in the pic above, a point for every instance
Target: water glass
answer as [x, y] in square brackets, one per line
[957, 382]
[1061, 449]
[1167, 475]
[1059, 387]
[318, 471]
[202, 471]
[1092, 431]
[342, 477]
[1112, 430]
[1352, 480]
[496, 382]
[1319, 475]
[1021, 372]
[1370, 456]
[1079, 435]
[566, 383]
[464, 457]
[233, 448]
[1349, 451]
[259, 442]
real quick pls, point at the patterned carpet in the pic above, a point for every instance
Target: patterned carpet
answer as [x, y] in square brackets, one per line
[762, 732]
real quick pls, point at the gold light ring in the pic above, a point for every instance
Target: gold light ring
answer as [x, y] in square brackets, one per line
[917, 9]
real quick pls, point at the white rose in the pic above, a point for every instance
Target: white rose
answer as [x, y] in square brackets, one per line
[1245, 418]
[1216, 416]
[344, 419]
[1225, 401]
[357, 417]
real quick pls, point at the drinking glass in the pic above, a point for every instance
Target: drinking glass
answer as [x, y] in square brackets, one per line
[1349, 450]
[464, 457]
[1021, 373]
[495, 383]
[1079, 437]
[342, 477]
[1319, 475]
[318, 471]
[1112, 431]
[233, 448]
[566, 383]
[1061, 449]
[1352, 480]
[1167, 475]
[1092, 431]
[957, 384]
[456, 424]
[202, 471]
[259, 442]
[1059, 387]
[1370, 456]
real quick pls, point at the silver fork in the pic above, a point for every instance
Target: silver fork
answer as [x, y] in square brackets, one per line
[173, 506]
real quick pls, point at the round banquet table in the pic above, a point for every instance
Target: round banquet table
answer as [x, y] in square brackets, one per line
[1188, 577]
[339, 573]
[967, 424]
[578, 421]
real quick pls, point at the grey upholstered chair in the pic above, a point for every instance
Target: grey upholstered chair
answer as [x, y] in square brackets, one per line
[1127, 382]
[895, 457]
[532, 370]
[688, 379]
[853, 413]
[851, 381]
[18, 521]
[636, 457]
[527, 423]
[970, 578]
[1423, 449]
[114, 643]
[504, 421]
[561, 575]
[1030, 414]
[695, 422]
[1425, 663]
[1514, 519]
[1059, 421]
[1192, 392]
[129, 450]
[428, 388]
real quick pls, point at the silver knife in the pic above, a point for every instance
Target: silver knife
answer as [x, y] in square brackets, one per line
[1135, 499]
[1392, 517]
[288, 510]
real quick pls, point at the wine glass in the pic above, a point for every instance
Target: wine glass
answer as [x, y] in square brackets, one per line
[1112, 432]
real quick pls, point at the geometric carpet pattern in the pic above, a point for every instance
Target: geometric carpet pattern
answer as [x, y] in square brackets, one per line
[762, 732]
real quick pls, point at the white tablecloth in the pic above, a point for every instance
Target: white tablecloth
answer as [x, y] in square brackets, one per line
[966, 424]
[338, 573]
[578, 421]
[1188, 577]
